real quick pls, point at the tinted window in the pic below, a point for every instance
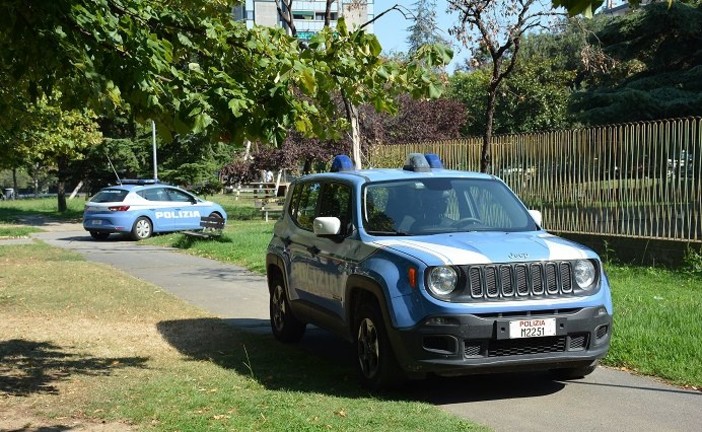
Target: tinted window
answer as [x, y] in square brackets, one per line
[178, 195]
[336, 201]
[306, 206]
[154, 194]
[110, 195]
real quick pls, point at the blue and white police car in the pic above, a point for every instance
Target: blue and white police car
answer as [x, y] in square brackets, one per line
[434, 271]
[142, 207]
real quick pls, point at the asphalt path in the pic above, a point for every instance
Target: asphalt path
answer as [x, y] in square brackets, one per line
[606, 400]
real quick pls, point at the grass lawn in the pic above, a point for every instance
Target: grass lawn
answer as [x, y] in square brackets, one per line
[84, 344]
[657, 325]
[81, 341]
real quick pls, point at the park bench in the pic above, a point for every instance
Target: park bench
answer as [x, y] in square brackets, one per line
[269, 206]
[212, 226]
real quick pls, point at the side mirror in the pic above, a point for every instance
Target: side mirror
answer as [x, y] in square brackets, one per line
[326, 226]
[536, 215]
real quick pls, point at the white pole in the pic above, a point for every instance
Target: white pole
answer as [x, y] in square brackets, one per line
[153, 136]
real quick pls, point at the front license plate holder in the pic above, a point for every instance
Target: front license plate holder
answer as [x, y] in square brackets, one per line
[532, 328]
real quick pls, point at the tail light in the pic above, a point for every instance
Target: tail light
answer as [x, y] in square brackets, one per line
[118, 208]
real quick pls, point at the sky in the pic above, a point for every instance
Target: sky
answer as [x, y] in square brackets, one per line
[391, 28]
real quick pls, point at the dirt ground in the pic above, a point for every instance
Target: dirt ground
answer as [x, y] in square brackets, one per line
[15, 419]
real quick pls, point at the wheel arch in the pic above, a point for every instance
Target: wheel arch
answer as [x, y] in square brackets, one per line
[275, 266]
[359, 289]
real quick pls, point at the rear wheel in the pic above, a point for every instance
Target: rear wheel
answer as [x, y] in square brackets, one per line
[142, 229]
[99, 235]
[286, 327]
[376, 363]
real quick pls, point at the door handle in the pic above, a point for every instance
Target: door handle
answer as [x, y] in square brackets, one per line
[314, 250]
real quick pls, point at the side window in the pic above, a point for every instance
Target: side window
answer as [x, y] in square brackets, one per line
[154, 194]
[295, 200]
[179, 196]
[336, 201]
[306, 206]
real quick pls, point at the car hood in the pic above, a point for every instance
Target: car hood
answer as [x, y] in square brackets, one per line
[486, 248]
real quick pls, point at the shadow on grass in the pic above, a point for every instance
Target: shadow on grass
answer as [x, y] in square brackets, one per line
[28, 367]
[324, 363]
[36, 217]
[187, 241]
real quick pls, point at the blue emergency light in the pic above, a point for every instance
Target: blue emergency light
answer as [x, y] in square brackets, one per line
[342, 163]
[434, 160]
[416, 162]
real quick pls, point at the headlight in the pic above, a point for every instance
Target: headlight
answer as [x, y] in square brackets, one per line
[442, 280]
[584, 273]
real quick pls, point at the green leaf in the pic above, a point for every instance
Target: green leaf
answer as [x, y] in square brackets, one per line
[308, 80]
[236, 106]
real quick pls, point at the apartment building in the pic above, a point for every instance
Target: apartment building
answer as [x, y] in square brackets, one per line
[308, 16]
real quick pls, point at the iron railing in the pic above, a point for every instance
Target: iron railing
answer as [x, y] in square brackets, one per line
[635, 180]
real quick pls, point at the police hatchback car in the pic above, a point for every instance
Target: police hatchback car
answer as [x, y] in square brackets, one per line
[434, 271]
[140, 208]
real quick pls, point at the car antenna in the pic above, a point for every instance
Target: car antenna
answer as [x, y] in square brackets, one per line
[119, 181]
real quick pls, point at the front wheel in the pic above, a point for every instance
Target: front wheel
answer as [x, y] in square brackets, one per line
[142, 229]
[286, 327]
[376, 363]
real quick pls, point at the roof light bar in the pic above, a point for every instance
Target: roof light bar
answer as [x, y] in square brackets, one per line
[138, 181]
[416, 162]
[434, 160]
[342, 163]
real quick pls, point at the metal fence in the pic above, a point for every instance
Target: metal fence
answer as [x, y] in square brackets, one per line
[634, 180]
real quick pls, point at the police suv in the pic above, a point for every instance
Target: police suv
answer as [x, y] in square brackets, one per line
[142, 207]
[434, 271]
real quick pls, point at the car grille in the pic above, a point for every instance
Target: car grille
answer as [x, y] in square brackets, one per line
[523, 280]
[518, 347]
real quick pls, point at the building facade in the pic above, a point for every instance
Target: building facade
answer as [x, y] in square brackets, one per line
[308, 16]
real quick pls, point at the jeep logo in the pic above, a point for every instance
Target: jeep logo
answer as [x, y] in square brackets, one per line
[518, 256]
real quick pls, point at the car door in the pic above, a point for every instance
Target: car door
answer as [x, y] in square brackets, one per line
[319, 265]
[158, 207]
[186, 215]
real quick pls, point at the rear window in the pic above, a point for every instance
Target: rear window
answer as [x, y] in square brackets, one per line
[110, 195]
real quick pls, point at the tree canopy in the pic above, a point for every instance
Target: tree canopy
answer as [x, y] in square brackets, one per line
[652, 68]
[199, 72]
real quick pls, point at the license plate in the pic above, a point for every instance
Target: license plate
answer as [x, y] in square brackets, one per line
[538, 327]
[97, 222]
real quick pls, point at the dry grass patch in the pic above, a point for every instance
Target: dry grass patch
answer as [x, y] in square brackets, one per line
[68, 327]
[84, 347]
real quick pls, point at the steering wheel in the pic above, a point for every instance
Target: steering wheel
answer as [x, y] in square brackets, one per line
[466, 221]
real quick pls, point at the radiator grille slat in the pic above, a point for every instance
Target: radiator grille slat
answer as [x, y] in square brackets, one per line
[510, 281]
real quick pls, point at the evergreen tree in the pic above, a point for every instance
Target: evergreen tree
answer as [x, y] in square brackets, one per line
[425, 29]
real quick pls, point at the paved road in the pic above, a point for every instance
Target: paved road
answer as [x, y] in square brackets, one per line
[607, 400]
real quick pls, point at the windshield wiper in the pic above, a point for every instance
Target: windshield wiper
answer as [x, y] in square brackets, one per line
[389, 233]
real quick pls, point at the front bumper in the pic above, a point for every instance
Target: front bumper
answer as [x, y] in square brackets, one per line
[470, 344]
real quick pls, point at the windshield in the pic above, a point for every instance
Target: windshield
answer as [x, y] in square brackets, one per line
[432, 206]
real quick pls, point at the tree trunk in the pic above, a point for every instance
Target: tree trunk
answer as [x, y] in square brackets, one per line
[61, 193]
[486, 153]
[14, 181]
[352, 116]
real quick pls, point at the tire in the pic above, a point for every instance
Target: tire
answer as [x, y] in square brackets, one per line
[285, 326]
[572, 373]
[142, 229]
[376, 363]
[99, 235]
